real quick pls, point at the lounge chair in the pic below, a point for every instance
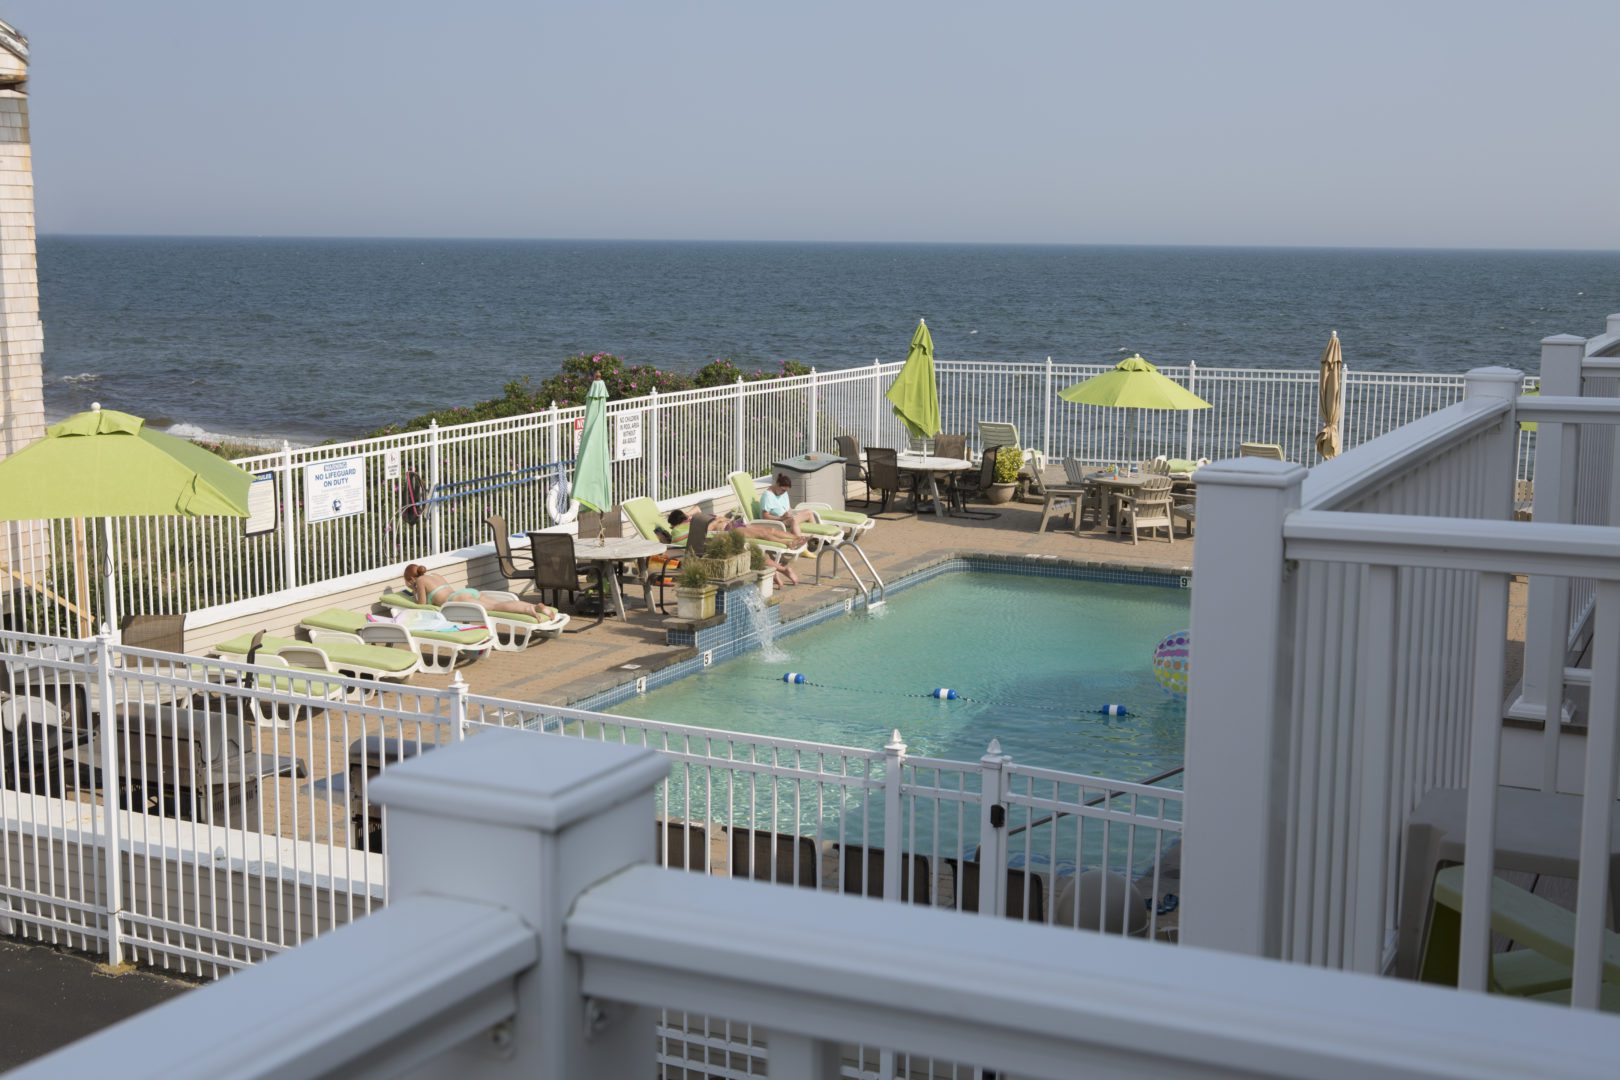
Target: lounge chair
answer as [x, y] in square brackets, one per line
[309, 686]
[328, 657]
[827, 528]
[995, 433]
[438, 650]
[1261, 450]
[643, 514]
[1542, 965]
[513, 631]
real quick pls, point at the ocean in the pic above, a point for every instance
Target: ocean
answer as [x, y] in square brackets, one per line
[321, 339]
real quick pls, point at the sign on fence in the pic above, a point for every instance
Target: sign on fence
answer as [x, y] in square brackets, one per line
[261, 505]
[391, 464]
[579, 430]
[627, 435]
[334, 489]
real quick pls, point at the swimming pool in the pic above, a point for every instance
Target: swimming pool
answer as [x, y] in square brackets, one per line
[1034, 659]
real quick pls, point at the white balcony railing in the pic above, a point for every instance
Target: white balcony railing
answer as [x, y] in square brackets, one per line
[530, 938]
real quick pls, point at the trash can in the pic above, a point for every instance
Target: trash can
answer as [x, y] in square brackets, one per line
[368, 757]
[817, 478]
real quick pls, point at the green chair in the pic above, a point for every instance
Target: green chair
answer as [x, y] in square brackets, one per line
[818, 535]
[438, 650]
[344, 658]
[1540, 968]
[513, 630]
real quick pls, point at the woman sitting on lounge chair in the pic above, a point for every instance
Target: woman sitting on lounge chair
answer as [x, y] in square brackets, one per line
[773, 504]
[433, 589]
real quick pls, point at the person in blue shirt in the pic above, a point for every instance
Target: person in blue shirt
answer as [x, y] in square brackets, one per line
[773, 504]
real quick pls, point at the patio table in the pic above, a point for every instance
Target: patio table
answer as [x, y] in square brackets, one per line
[618, 549]
[931, 467]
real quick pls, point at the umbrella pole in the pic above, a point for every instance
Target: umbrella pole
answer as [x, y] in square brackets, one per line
[109, 579]
[81, 577]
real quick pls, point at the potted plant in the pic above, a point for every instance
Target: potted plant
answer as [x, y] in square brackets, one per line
[1009, 463]
[725, 557]
[694, 595]
[767, 577]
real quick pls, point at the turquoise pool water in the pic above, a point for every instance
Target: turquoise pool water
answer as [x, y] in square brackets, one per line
[1033, 657]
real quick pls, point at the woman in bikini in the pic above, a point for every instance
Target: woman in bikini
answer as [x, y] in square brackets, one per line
[433, 589]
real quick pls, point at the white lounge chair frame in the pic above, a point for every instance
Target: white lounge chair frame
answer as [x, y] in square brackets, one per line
[510, 634]
[434, 656]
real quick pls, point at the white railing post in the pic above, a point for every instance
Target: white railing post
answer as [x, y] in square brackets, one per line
[993, 830]
[1498, 384]
[554, 421]
[111, 815]
[435, 519]
[894, 765]
[742, 425]
[654, 467]
[528, 824]
[458, 707]
[877, 402]
[1344, 399]
[1547, 603]
[289, 535]
[815, 414]
[1046, 416]
[1238, 708]
[1192, 387]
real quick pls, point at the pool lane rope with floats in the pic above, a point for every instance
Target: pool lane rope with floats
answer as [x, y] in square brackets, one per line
[941, 693]
[1172, 659]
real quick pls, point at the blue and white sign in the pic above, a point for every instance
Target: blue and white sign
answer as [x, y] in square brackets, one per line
[334, 489]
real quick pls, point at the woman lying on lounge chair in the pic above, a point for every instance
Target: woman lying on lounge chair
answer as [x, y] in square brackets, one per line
[680, 522]
[433, 589]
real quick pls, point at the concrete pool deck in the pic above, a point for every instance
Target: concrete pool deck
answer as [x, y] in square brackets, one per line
[576, 666]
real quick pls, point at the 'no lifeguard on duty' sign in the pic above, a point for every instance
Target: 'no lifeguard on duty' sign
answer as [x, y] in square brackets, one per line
[334, 489]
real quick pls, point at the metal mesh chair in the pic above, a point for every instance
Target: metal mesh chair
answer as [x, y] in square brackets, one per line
[952, 446]
[883, 473]
[504, 556]
[850, 451]
[968, 486]
[556, 570]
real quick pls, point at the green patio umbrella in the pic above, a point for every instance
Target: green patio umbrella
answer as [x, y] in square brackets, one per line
[106, 464]
[914, 394]
[1133, 384]
[593, 465]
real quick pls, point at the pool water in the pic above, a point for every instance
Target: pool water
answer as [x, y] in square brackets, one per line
[1034, 659]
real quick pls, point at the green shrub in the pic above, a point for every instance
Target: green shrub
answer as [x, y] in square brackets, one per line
[724, 545]
[692, 576]
[756, 558]
[1009, 462]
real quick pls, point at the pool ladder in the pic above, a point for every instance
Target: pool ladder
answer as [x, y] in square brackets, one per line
[867, 595]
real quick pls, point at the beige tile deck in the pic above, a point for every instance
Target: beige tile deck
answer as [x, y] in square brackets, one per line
[577, 665]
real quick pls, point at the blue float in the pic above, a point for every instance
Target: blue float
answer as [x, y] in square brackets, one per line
[1113, 710]
[793, 677]
[945, 694]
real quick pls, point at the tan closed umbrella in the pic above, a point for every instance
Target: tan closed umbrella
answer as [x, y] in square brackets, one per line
[1331, 399]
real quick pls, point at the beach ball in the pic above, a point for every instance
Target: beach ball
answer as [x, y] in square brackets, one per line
[1172, 658]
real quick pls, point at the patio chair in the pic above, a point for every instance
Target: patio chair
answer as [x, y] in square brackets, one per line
[1094, 498]
[951, 446]
[966, 888]
[555, 569]
[513, 630]
[681, 845]
[863, 874]
[1060, 499]
[1540, 967]
[794, 861]
[968, 486]
[1147, 508]
[1184, 505]
[652, 525]
[36, 732]
[511, 568]
[1261, 450]
[850, 451]
[883, 474]
[438, 650]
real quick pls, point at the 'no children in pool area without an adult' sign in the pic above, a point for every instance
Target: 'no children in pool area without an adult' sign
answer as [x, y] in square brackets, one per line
[334, 489]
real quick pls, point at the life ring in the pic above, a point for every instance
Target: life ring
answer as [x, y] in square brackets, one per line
[560, 502]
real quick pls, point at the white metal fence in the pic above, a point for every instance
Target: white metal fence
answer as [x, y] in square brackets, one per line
[429, 492]
[243, 823]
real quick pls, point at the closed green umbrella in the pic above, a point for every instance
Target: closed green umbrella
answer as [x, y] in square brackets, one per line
[593, 465]
[914, 393]
[1133, 384]
[107, 464]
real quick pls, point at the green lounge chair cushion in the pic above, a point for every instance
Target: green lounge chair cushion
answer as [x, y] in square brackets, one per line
[644, 515]
[848, 517]
[281, 684]
[370, 657]
[350, 623]
[401, 600]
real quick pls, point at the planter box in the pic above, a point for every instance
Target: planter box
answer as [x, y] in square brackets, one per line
[767, 583]
[694, 604]
[733, 566]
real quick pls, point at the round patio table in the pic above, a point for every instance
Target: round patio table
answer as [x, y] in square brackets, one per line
[927, 465]
[618, 549]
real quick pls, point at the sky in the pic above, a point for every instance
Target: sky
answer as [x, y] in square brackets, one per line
[1414, 124]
